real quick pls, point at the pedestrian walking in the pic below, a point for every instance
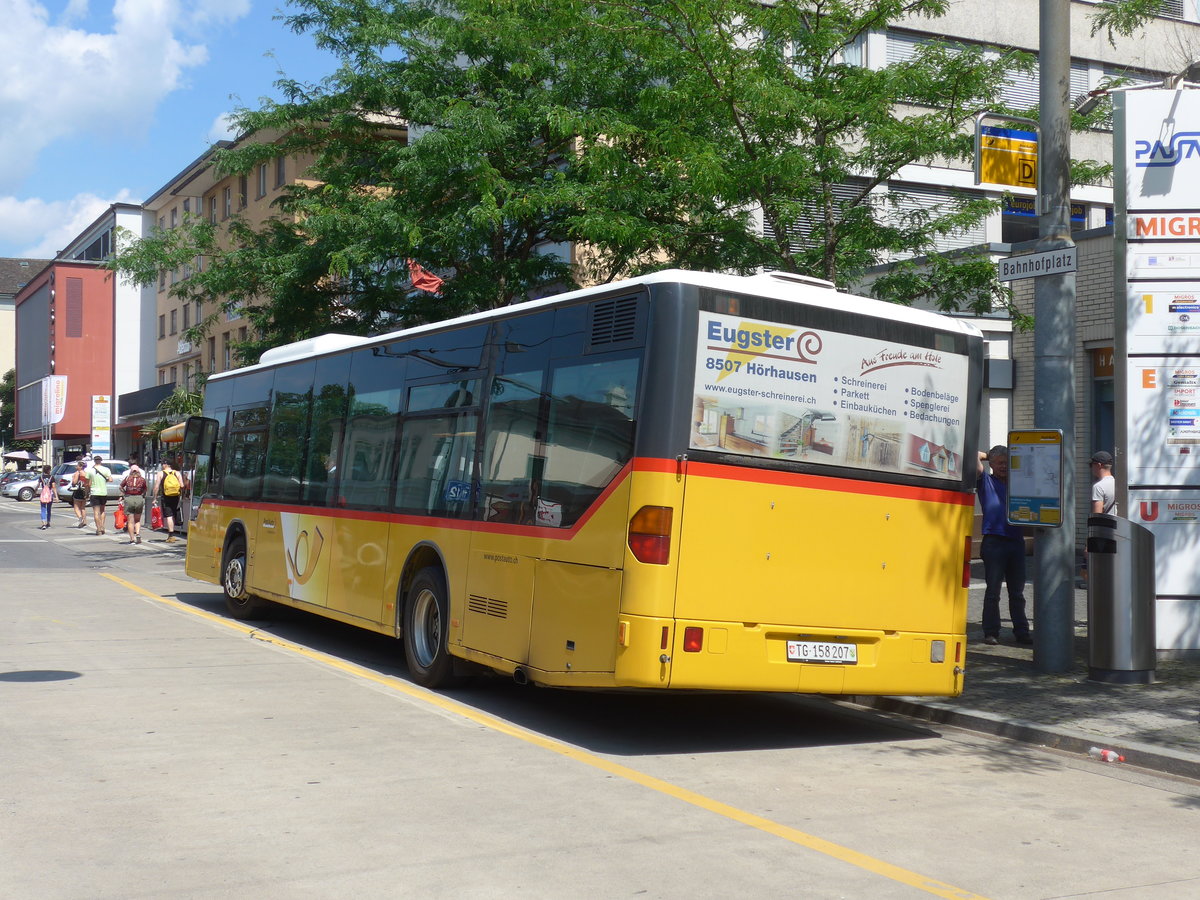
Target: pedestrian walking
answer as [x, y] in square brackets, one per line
[79, 492]
[1002, 550]
[169, 491]
[45, 489]
[133, 490]
[99, 477]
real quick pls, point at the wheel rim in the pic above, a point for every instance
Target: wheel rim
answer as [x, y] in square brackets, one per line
[427, 627]
[26, 495]
[235, 576]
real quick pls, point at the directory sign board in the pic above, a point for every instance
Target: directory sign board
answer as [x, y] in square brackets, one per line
[1035, 467]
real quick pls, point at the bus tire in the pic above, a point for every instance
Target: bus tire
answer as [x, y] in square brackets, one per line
[426, 630]
[238, 601]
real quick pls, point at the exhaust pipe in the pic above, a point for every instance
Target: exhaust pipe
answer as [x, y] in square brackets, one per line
[520, 676]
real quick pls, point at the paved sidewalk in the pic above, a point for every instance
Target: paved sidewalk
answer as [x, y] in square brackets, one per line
[1155, 726]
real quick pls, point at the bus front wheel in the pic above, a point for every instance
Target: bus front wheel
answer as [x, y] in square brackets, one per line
[241, 605]
[426, 617]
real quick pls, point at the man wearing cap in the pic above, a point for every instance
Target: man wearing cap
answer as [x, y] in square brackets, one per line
[1104, 491]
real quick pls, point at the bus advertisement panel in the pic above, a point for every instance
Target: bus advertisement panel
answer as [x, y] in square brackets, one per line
[828, 398]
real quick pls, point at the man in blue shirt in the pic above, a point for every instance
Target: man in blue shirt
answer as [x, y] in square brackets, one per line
[1002, 550]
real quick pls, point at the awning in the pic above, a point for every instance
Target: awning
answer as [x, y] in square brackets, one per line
[172, 435]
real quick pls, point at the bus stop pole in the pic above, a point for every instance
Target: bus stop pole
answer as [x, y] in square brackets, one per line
[1054, 343]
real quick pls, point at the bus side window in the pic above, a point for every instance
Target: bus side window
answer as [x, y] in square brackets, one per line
[436, 456]
[589, 436]
[511, 452]
[325, 440]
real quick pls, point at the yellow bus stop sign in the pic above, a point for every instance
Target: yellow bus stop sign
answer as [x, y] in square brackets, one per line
[1008, 156]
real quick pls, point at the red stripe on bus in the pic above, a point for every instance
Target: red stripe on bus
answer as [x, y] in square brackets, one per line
[814, 482]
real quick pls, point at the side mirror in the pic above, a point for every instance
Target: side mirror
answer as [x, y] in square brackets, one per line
[200, 435]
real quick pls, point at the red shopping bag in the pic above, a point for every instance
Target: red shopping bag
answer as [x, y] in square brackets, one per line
[156, 521]
[119, 517]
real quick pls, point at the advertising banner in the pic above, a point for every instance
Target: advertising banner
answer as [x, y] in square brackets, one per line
[786, 392]
[54, 399]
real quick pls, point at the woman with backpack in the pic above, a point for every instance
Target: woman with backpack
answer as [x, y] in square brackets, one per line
[133, 486]
[46, 494]
[170, 489]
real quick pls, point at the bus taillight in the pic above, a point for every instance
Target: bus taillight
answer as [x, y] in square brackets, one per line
[966, 582]
[650, 535]
[693, 639]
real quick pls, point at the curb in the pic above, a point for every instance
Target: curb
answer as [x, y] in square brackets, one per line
[1143, 756]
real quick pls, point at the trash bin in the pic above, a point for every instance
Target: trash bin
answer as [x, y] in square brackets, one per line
[1121, 637]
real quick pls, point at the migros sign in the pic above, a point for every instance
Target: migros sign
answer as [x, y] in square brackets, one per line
[1143, 225]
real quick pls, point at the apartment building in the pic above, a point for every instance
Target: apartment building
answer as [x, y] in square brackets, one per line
[200, 191]
[76, 320]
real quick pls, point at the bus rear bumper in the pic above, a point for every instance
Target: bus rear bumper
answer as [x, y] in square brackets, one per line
[703, 655]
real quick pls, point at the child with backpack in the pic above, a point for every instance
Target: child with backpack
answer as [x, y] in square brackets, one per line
[46, 495]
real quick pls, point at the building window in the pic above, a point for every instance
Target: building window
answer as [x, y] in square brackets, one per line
[187, 315]
[174, 216]
[162, 326]
[162, 376]
[243, 191]
[187, 207]
[174, 327]
[162, 223]
[173, 375]
[227, 195]
[212, 210]
[262, 181]
[242, 334]
[162, 279]
[279, 171]
[186, 376]
[212, 354]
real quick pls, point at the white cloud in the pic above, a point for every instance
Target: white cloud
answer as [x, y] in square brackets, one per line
[58, 81]
[42, 228]
[222, 129]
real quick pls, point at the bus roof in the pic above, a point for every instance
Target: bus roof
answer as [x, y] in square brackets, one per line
[776, 285]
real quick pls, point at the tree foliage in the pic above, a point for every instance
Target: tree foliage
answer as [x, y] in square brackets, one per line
[480, 137]
[8, 412]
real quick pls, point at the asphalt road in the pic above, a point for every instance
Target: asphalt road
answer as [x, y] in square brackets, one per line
[150, 747]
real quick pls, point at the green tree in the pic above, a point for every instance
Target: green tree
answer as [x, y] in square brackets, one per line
[476, 136]
[175, 407]
[8, 412]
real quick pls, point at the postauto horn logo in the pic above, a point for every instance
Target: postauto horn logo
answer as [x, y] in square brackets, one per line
[1153, 154]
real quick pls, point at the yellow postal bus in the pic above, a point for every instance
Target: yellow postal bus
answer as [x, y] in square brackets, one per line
[685, 480]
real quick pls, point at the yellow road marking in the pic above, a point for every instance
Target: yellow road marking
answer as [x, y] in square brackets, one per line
[794, 835]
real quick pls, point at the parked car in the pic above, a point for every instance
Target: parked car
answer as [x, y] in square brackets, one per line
[18, 474]
[62, 477]
[23, 488]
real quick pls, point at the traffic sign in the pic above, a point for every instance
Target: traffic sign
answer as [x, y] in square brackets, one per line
[1048, 262]
[1008, 156]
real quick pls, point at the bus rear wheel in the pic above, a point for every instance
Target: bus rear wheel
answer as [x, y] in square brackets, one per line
[426, 620]
[241, 605]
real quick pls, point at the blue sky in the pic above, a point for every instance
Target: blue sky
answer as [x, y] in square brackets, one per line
[104, 101]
